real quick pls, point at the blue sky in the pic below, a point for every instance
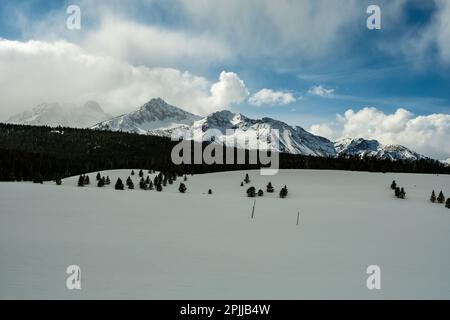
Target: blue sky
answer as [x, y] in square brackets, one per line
[317, 55]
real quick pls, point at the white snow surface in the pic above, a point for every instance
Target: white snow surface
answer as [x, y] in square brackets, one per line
[149, 245]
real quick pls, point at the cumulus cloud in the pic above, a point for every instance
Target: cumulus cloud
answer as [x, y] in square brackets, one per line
[426, 134]
[321, 91]
[322, 130]
[271, 97]
[229, 90]
[36, 71]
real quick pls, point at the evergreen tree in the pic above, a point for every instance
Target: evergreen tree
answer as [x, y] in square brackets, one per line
[101, 183]
[397, 192]
[433, 197]
[86, 180]
[247, 179]
[260, 193]
[119, 184]
[129, 181]
[108, 181]
[150, 185]
[130, 185]
[209, 191]
[58, 181]
[283, 193]
[251, 192]
[269, 188]
[98, 176]
[185, 178]
[159, 187]
[132, 172]
[147, 181]
[402, 194]
[81, 181]
[142, 184]
[242, 184]
[441, 197]
[447, 203]
[141, 173]
[182, 188]
[393, 185]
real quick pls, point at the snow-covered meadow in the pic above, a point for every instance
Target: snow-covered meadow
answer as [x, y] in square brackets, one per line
[151, 245]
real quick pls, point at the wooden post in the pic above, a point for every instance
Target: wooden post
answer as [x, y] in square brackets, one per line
[253, 211]
[298, 217]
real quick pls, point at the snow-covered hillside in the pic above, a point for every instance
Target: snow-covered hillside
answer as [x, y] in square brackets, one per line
[145, 244]
[55, 114]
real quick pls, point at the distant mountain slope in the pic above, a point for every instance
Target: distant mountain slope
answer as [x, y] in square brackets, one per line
[362, 147]
[155, 114]
[55, 114]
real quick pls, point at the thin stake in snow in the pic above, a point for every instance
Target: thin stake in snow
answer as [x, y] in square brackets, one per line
[298, 217]
[253, 211]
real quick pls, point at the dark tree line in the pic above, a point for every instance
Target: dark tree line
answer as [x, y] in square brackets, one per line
[41, 153]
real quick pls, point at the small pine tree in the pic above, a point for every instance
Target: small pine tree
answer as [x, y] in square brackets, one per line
[247, 179]
[142, 184]
[58, 181]
[242, 184]
[159, 187]
[283, 193]
[251, 192]
[108, 181]
[132, 172]
[81, 181]
[433, 197]
[147, 181]
[150, 185]
[87, 180]
[397, 192]
[447, 203]
[441, 197]
[269, 188]
[402, 194]
[141, 173]
[129, 181]
[393, 185]
[209, 191]
[98, 176]
[131, 185]
[119, 184]
[260, 193]
[182, 188]
[185, 178]
[101, 183]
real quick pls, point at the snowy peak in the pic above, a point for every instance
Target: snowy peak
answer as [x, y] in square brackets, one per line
[153, 115]
[55, 114]
[362, 147]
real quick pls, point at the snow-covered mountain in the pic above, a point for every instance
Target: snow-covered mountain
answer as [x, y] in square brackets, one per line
[362, 147]
[55, 114]
[161, 119]
[154, 115]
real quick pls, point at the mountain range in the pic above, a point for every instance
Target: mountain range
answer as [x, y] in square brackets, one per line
[66, 115]
[157, 117]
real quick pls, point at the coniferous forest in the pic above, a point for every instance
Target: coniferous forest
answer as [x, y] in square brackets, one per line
[41, 153]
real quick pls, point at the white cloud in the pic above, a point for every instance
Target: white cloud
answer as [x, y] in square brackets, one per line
[35, 71]
[271, 97]
[322, 130]
[321, 91]
[428, 134]
[153, 46]
[230, 89]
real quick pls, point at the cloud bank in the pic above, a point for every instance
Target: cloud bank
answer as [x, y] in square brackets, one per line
[428, 134]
